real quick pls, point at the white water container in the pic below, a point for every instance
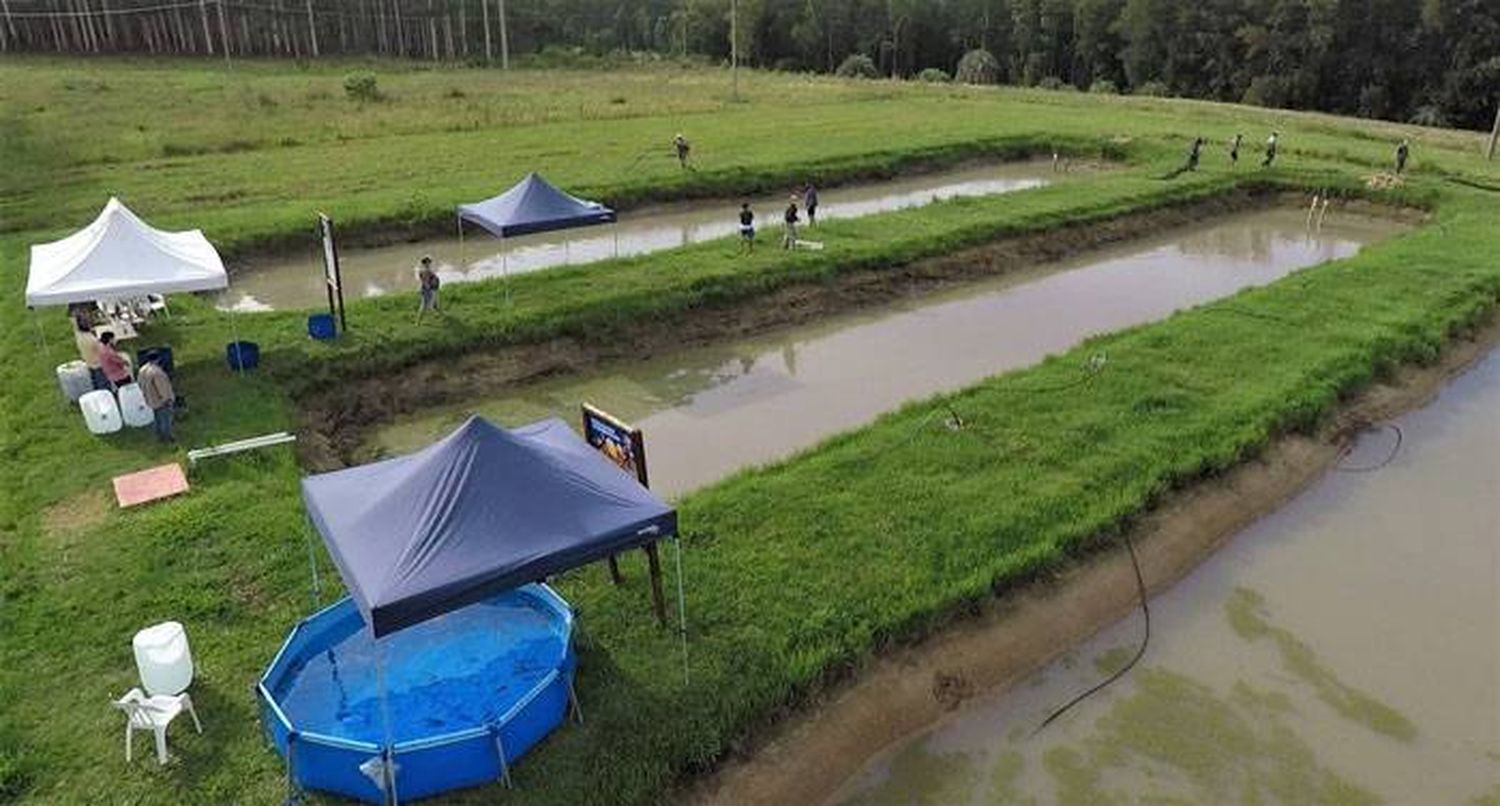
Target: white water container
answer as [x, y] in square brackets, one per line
[75, 380]
[100, 411]
[163, 658]
[133, 408]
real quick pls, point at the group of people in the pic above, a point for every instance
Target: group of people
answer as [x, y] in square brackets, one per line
[111, 369]
[791, 219]
[1195, 152]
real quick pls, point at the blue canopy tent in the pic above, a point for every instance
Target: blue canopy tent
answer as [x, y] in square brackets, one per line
[532, 205]
[481, 511]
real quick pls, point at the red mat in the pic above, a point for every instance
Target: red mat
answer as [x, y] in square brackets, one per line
[150, 485]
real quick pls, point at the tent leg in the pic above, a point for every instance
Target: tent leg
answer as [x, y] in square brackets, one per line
[616, 229]
[573, 700]
[234, 330]
[658, 602]
[614, 571]
[41, 336]
[504, 762]
[681, 608]
[505, 268]
[462, 264]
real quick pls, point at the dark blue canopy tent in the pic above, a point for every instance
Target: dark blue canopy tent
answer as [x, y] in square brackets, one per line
[533, 205]
[481, 511]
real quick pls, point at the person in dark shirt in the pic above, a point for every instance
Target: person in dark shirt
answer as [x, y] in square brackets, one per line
[747, 228]
[810, 203]
[1194, 154]
[1234, 148]
[1402, 152]
[791, 218]
[681, 146]
[1271, 143]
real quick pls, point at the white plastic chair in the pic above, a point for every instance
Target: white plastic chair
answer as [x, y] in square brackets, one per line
[153, 714]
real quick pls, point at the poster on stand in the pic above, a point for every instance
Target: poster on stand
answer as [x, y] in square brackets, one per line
[621, 442]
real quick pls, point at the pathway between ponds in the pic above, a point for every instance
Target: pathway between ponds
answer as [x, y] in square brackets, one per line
[1345, 649]
[710, 411]
[296, 281]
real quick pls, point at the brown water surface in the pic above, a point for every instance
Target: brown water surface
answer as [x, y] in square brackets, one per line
[296, 281]
[710, 411]
[1345, 649]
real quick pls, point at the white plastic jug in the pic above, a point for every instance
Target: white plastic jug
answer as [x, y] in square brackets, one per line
[163, 658]
[75, 380]
[100, 411]
[133, 408]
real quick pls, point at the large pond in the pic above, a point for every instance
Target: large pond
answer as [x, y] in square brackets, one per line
[296, 281]
[1345, 649]
[708, 412]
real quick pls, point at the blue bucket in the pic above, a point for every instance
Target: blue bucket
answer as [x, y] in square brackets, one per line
[242, 354]
[320, 326]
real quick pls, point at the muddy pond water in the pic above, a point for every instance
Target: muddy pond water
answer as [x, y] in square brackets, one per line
[1345, 649]
[296, 281]
[710, 411]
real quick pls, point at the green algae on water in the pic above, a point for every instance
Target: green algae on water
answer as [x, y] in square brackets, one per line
[920, 776]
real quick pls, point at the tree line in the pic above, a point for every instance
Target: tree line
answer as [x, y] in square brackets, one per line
[1426, 61]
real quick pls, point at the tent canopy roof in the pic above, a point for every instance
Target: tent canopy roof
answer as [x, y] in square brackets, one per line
[119, 255]
[534, 205]
[481, 511]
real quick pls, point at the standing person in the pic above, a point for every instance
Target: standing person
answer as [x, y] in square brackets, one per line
[1194, 154]
[1402, 152]
[88, 350]
[747, 228]
[156, 387]
[114, 364]
[810, 203]
[790, 217]
[683, 148]
[1271, 143]
[1234, 148]
[428, 283]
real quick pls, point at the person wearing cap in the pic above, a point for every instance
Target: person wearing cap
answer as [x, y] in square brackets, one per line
[428, 283]
[680, 145]
[114, 364]
[156, 387]
[790, 217]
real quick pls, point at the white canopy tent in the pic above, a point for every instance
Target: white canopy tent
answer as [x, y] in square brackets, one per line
[119, 255]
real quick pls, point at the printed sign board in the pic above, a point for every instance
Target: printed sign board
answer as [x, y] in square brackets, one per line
[616, 439]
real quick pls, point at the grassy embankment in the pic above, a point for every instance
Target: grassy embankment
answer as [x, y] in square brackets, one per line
[795, 572]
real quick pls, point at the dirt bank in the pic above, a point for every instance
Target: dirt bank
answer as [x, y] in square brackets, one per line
[335, 424]
[806, 758]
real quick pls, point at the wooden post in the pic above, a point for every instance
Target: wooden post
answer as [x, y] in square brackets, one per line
[658, 602]
[1489, 153]
[614, 571]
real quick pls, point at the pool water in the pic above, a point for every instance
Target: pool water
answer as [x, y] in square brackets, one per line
[462, 670]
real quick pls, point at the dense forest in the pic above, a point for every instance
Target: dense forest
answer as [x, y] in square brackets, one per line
[1426, 61]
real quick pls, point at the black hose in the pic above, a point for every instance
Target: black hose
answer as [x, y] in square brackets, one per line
[1390, 457]
[1140, 583]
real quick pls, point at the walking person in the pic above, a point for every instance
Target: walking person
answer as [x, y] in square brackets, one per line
[1402, 152]
[747, 229]
[791, 218]
[810, 203]
[114, 364]
[683, 148]
[156, 387]
[1234, 148]
[1195, 154]
[428, 283]
[1271, 143]
[88, 350]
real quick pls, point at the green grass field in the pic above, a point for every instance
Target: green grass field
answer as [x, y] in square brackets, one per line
[797, 572]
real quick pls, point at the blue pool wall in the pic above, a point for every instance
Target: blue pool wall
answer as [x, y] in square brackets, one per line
[427, 766]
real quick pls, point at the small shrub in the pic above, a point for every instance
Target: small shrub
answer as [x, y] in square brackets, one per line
[858, 65]
[455, 93]
[362, 87]
[1429, 115]
[977, 67]
[1104, 87]
[1270, 91]
[1152, 89]
[1053, 83]
[933, 75]
[266, 101]
[617, 100]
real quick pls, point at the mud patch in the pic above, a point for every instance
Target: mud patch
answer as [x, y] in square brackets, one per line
[66, 521]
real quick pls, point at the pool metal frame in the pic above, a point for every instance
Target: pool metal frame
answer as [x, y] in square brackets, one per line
[431, 765]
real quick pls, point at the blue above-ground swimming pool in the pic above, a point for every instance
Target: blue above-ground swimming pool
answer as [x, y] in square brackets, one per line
[467, 693]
